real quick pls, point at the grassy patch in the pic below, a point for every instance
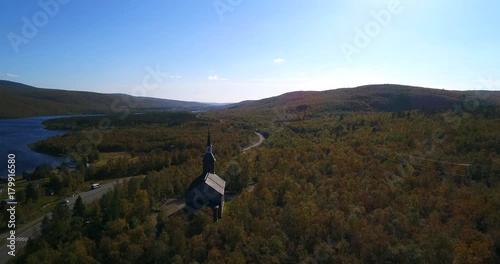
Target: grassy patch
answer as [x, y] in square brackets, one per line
[107, 156]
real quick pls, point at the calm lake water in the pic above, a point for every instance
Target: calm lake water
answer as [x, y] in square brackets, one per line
[16, 134]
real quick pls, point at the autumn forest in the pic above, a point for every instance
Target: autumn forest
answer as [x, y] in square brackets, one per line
[328, 185]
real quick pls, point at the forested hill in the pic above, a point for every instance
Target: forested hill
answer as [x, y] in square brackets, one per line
[383, 97]
[20, 100]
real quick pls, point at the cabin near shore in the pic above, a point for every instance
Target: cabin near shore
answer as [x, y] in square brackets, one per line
[207, 190]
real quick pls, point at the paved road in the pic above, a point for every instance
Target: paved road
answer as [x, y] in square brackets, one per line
[34, 226]
[261, 140]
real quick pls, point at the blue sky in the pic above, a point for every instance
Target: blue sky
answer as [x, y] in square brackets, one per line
[234, 50]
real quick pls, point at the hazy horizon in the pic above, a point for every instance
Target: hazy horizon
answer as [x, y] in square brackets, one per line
[231, 51]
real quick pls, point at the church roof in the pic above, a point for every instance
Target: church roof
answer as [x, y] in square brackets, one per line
[216, 182]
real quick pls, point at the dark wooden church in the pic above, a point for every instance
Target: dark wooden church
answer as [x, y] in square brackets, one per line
[207, 190]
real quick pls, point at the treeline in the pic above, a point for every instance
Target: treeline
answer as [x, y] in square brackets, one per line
[143, 133]
[169, 118]
[153, 147]
[336, 188]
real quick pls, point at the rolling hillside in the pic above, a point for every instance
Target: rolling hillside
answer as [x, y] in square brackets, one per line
[384, 97]
[19, 100]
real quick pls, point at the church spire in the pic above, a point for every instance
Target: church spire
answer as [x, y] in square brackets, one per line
[208, 158]
[209, 144]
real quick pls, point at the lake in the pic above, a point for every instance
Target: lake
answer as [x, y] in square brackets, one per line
[16, 135]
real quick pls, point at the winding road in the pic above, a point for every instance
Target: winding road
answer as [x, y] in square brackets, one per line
[261, 140]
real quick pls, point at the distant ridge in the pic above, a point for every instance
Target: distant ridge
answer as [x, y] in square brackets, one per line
[20, 100]
[379, 97]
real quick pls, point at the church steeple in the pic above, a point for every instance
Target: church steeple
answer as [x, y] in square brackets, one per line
[209, 144]
[208, 158]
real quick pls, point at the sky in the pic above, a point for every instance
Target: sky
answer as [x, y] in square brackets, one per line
[235, 50]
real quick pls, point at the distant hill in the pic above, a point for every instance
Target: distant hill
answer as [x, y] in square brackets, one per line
[383, 97]
[20, 100]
